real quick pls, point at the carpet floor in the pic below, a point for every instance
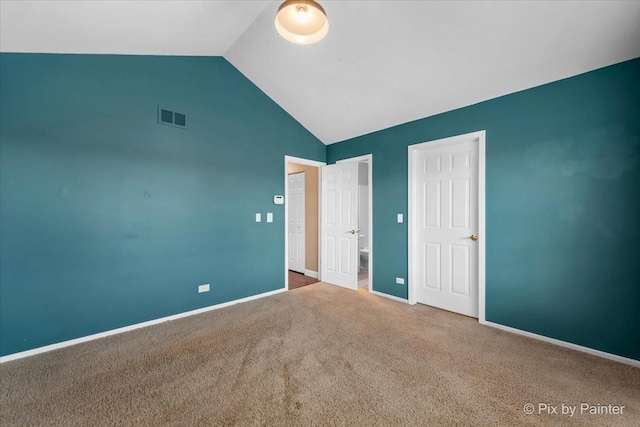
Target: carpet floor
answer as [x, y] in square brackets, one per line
[318, 355]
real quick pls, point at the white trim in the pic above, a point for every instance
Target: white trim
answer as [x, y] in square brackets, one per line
[382, 294]
[356, 159]
[565, 344]
[311, 273]
[411, 299]
[480, 136]
[482, 194]
[87, 338]
[370, 256]
[319, 223]
[300, 161]
[481, 227]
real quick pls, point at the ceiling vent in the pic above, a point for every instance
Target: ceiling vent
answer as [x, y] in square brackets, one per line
[171, 118]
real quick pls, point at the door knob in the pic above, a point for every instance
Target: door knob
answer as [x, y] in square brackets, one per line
[354, 231]
[473, 237]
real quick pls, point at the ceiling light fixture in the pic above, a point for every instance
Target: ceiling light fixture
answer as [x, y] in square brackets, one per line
[302, 21]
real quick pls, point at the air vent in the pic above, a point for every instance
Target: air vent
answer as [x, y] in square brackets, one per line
[169, 117]
[180, 119]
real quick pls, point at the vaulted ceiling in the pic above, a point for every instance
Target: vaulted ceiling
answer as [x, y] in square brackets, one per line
[383, 62]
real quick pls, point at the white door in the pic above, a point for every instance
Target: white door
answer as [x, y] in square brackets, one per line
[444, 224]
[296, 222]
[339, 262]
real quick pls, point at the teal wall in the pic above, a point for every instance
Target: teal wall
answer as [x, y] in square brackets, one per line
[562, 205]
[108, 218]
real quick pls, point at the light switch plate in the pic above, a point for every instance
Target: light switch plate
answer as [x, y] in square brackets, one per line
[258, 217]
[400, 218]
[269, 216]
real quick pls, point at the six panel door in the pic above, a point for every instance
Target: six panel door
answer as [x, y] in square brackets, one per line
[444, 219]
[339, 224]
[296, 222]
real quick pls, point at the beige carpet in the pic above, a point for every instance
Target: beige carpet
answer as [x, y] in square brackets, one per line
[318, 355]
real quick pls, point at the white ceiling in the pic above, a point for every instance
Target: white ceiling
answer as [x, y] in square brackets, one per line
[125, 27]
[383, 62]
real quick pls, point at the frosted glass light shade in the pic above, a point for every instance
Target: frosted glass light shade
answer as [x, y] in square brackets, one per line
[302, 21]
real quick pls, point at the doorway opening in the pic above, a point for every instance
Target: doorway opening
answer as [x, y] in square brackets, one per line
[364, 236]
[302, 203]
[337, 231]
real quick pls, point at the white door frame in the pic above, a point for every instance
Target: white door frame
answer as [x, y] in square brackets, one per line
[368, 157]
[301, 161]
[480, 137]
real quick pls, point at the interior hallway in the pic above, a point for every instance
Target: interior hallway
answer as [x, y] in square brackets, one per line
[298, 280]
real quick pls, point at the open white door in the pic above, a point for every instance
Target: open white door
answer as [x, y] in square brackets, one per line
[339, 234]
[296, 222]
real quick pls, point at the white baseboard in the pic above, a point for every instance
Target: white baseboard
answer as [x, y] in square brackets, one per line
[75, 341]
[380, 294]
[311, 273]
[576, 347]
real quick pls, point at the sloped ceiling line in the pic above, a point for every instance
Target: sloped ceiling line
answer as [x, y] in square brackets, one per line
[383, 63]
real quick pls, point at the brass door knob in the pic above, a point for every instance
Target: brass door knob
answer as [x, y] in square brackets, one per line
[473, 237]
[354, 231]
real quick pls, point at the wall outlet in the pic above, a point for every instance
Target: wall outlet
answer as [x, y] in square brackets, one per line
[258, 217]
[400, 218]
[269, 216]
[399, 280]
[203, 288]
